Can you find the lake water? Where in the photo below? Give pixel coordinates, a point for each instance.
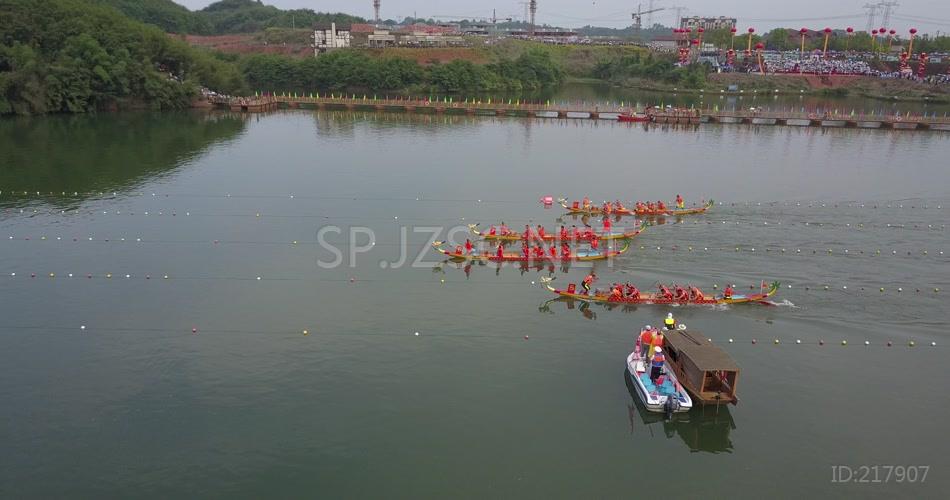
(205, 383)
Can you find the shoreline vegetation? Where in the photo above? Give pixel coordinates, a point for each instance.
(76, 56)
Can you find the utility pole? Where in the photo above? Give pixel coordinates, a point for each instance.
(888, 7)
(872, 12)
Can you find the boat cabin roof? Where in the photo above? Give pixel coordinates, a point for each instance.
(703, 353)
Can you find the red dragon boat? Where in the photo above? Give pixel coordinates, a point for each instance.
(614, 235)
(575, 208)
(575, 256)
(658, 299)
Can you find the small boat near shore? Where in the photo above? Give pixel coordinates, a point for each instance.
(655, 298)
(633, 117)
(574, 256)
(511, 236)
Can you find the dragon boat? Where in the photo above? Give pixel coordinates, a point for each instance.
(656, 298)
(510, 237)
(575, 256)
(593, 210)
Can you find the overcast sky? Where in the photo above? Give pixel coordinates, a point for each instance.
(926, 15)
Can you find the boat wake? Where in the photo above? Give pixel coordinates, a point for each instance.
(784, 303)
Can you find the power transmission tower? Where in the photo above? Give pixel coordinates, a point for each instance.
(376, 8)
(872, 12)
(888, 10)
(534, 10)
(679, 14)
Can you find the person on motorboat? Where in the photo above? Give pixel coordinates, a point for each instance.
(656, 342)
(588, 281)
(727, 293)
(656, 364)
(669, 322)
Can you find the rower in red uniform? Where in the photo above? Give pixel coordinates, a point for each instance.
(540, 232)
(696, 294)
(539, 252)
(615, 294)
(679, 202)
(727, 293)
(651, 208)
(504, 230)
(606, 225)
(680, 293)
(575, 232)
(563, 234)
(620, 207)
(666, 293)
(593, 242)
(588, 281)
(491, 230)
(632, 292)
(501, 250)
(606, 209)
(565, 251)
(553, 251)
(640, 206)
(661, 206)
(468, 246)
(527, 232)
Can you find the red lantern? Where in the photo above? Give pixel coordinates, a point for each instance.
(882, 30)
(803, 31)
(759, 46)
(913, 31)
(751, 30)
(701, 30)
(892, 32)
(732, 29)
(850, 30)
(827, 30)
(874, 32)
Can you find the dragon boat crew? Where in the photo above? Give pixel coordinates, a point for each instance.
(607, 225)
(696, 294)
(563, 234)
(468, 246)
(660, 206)
(680, 293)
(586, 202)
(632, 291)
(679, 202)
(727, 293)
(541, 232)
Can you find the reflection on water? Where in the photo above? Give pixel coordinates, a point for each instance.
(702, 429)
(91, 153)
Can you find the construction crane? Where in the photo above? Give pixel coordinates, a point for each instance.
(638, 16)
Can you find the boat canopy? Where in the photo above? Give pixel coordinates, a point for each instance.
(703, 354)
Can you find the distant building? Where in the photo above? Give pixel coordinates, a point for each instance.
(708, 23)
(663, 43)
(381, 38)
(330, 37)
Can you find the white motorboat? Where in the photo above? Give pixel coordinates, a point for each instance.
(664, 396)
